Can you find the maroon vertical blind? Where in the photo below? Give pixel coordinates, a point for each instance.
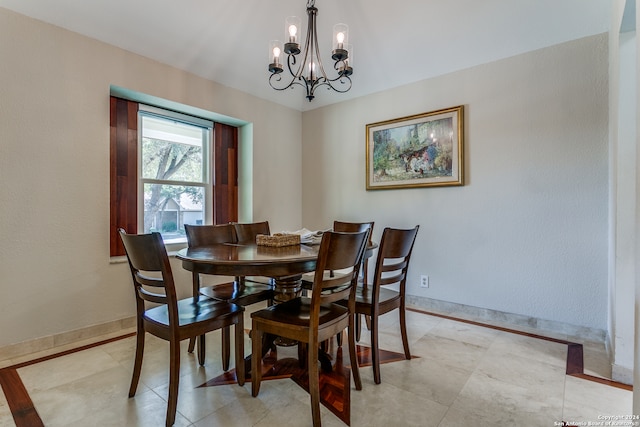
(124, 171)
(225, 186)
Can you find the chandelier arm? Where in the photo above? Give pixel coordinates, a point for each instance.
(329, 83)
(291, 61)
(289, 85)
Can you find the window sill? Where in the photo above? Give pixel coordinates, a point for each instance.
(172, 249)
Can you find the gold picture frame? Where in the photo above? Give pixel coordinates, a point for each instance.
(423, 150)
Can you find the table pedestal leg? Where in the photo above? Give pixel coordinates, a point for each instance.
(287, 288)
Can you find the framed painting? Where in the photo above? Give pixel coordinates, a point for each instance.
(424, 150)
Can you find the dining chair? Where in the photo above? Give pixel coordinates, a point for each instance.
(247, 232)
(237, 291)
(347, 227)
(313, 320)
(172, 320)
(376, 298)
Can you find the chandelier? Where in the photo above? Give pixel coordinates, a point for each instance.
(309, 72)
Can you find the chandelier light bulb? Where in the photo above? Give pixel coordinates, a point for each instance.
(275, 50)
(293, 30)
(340, 38)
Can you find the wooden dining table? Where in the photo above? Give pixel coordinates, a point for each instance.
(285, 264)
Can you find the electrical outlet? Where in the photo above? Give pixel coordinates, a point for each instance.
(424, 281)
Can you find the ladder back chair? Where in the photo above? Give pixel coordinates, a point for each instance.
(313, 320)
(376, 299)
(238, 291)
(173, 320)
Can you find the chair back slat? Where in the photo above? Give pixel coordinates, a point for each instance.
(206, 235)
(247, 232)
(393, 266)
(389, 280)
(149, 281)
(354, 227)
(150, 296)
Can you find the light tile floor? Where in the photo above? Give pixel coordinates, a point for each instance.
(464, 375)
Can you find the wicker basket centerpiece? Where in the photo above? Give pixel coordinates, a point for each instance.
(278, 240)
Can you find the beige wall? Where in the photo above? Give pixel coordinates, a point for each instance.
(55, 274)
(527, 234)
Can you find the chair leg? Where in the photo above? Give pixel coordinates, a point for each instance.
(137, 364)
(303, 348)
(375, 353)
(314, 383)
(256, 360)
(201, 350)
(196, 295)
(358, 334)
(403, 332)
(226, 347)
(353, 355)
(174, 378)
(239, 329)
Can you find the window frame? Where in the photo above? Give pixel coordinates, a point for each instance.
(207, 159)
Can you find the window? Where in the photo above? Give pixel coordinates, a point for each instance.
(174, 172)
(169, 169)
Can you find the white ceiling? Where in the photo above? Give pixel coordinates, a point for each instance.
(394, 43)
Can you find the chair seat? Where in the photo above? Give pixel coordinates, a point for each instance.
(246, 294)
(365, 296)
(298, 312)
(190, 311)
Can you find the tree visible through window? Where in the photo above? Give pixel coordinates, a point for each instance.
(174, 174)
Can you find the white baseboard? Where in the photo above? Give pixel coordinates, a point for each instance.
(621, 374)
(509, 320)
